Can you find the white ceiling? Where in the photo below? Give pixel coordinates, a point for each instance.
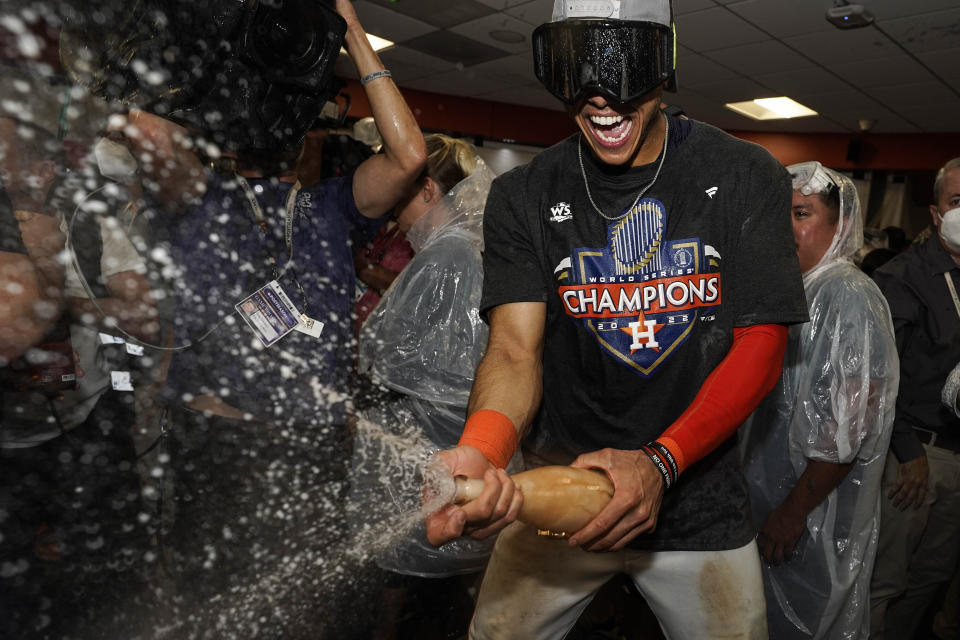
(903, 72)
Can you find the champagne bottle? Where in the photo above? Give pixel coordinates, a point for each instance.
(556, 500)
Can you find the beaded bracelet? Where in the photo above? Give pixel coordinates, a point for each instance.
(370, 77)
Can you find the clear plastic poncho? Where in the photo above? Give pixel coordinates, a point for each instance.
(834, 403)
(425, 337)
(950, 390)
(424, 340)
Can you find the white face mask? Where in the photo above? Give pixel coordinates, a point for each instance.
(950, 229)
(115, 161)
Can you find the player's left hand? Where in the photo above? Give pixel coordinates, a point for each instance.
(779, 535)
(637, 496)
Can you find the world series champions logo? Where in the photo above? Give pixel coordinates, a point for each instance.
(640, 295)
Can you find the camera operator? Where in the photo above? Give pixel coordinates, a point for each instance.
(257, 412)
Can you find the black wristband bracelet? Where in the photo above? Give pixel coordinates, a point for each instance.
(664, 461)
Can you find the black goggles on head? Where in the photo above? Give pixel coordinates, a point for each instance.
(619, 59)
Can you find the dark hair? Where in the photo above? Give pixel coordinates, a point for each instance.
(449, 160)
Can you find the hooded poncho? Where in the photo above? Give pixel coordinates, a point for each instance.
(834, 403)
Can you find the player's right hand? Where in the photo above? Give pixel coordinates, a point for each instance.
(495, 508)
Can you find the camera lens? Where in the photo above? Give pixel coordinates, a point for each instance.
(283, 40)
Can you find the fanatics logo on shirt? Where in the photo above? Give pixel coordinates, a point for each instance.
(560, 212)
(641, 295)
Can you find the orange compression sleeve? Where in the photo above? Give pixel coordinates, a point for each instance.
(729, 394)
(493, 434)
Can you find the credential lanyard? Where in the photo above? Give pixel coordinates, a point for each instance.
(291, 206)
(953, 291)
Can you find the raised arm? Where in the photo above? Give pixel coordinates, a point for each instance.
(506, 395)
(382, 179)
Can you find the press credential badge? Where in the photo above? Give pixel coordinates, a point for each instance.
(269, 313)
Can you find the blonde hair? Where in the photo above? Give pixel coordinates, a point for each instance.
(449, 160)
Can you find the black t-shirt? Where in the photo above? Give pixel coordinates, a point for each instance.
(641, 309)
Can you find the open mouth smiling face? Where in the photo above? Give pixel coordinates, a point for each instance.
(618, 133)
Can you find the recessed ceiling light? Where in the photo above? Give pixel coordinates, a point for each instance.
(508, 36)
(379, 43)
(771, 108)
(376, 42)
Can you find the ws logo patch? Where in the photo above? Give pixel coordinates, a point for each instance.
(640, 295)
(560, 212)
